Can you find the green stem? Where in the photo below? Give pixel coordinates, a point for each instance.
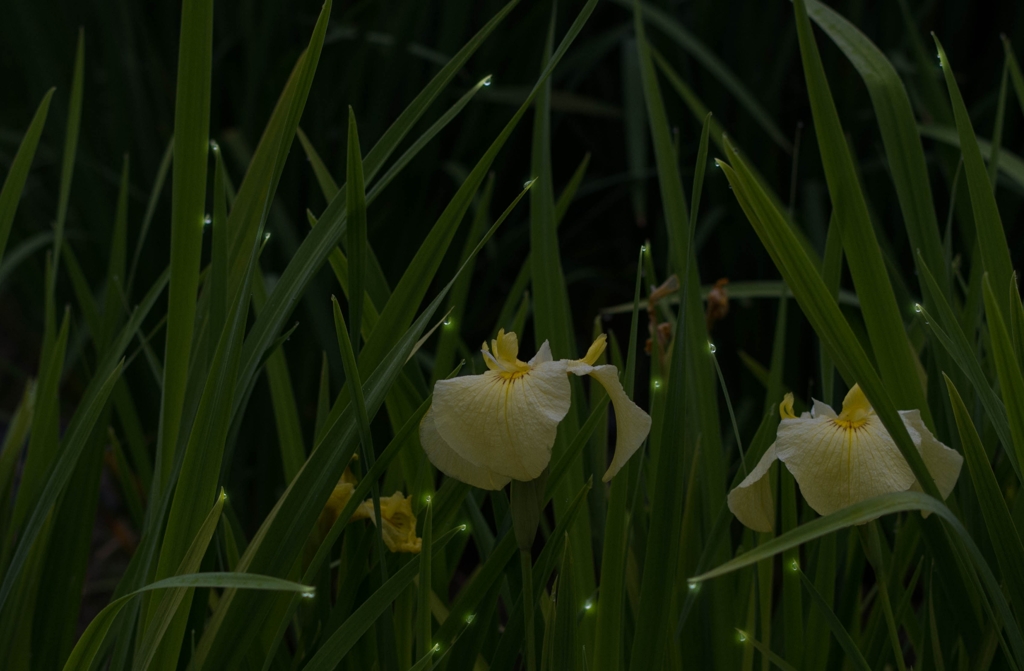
(526, 564)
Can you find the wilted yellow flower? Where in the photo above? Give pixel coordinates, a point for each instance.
(397, 518)
(488, 429)
(839, 460)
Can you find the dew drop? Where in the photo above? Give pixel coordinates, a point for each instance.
(266, 237)
(917, 308)
(207, 220)
(794, 566)
(712, 348)
(469, 618)
(487, 80)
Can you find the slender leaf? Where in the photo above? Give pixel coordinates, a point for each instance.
(14, 182)
(995, 253)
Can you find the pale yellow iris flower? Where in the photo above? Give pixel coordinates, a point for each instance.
(489, 429)
(839, 460)
(397, 518)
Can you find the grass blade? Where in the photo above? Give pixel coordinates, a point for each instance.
(188, 202)
(897, 124)
(1011, 383)
(14, 183)
(67, 167)
(317, 246)
(720, 71)
(355, 202)
(1001, 529)
(334, 649)
(821, 310)
(995, 253)
(882, 316)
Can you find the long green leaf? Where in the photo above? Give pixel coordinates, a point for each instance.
(882, 315)
(168, 606)
(995, 253)
(821, 310)
(317, 246)
(334, 649)
(897, 124)
(1001, 529)
(663, 21)
(14, 183)
(1010, 164)
(188, 202)
(608, 637)
(1011, 383)
(355, 202)
(945, 327)
(67, 166)
(302, 502)
(202, 460)
(866, 511)
(89, 646)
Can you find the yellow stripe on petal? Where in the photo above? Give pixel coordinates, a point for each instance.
(751, 500)
(447, 460)
(504, 423)
(839, 462)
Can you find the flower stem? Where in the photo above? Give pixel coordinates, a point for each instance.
(530, 653)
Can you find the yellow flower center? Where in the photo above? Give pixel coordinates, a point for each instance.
(856, 410)
(502, 356)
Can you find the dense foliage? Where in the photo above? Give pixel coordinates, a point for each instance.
(207, 461)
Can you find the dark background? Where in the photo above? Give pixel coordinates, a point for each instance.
(377, 56)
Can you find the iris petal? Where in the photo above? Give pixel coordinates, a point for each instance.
(450, 463)
(631, 423)
(751, 500)
(504, 423)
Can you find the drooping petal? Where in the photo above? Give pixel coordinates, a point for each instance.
(398, 523)
(450, 463)
(505, 423)
(942, 462)
(751, 500)
(837, 463)
(631, 423)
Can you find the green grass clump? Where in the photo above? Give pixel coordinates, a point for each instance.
(241, 242)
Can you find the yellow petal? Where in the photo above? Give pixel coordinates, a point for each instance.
(504, 422)
(838, 462)
(751, 501)
(856, 407)
(786, 407)
(631, 423)
(595, 351)
(397, 520)
(450, 463)
(942, 462)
